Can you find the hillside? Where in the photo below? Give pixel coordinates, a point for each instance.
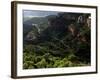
(57, 41)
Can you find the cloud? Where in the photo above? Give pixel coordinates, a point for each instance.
(34, 13)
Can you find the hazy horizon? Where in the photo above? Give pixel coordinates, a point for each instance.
(35, 13)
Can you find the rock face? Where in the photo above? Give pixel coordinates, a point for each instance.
(31, 36)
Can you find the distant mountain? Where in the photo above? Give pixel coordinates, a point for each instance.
(36, 20)
(51, 16)
(26, 19)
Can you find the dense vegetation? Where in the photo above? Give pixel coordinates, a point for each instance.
(63, 41)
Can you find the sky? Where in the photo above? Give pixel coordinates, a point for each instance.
(34, 13)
